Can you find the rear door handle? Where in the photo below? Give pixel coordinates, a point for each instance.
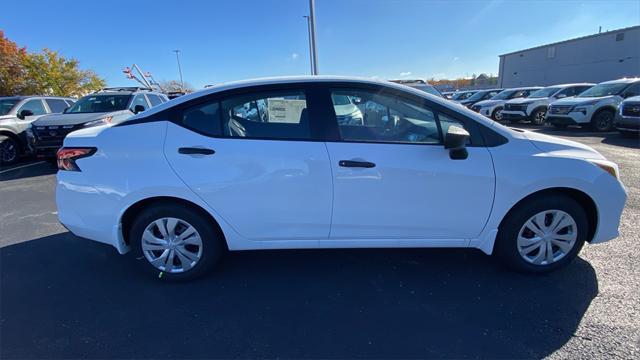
(195, 151)
(358, 164)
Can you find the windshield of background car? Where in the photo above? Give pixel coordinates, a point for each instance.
(340, 99)
(477, 96)
(100, 103)
(503, 95)
(544, 93)
(604, 90)
(6, 105)
(461, 96)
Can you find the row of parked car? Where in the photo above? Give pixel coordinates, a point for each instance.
(39, 124)
(601, 106)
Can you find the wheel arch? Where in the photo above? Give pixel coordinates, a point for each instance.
(134, 209)
(607, 107)
(14, 136)
(581, 197)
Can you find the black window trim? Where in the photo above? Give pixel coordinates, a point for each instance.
(323, 124)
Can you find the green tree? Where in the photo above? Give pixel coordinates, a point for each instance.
(48, 73)
(12, 71)
(44, 73)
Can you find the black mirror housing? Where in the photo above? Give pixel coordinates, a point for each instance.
(138, 109)
(24, 113)
(456, 140)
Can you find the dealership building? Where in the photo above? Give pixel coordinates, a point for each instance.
(594, 58)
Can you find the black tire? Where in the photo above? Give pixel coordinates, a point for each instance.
(538, 117)
(603, 120)
(560, 126)
(9, 150)
(496, 115)
(212, 239)
(506, 248)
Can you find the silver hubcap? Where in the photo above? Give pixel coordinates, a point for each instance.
(547, 237)
(171, 245)
(604, 122)
(498, 114)
(540, 117)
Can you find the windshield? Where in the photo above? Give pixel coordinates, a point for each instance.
(100, 103)
(6, 105)
(477, 96)
(429, 89)
(340, 99)
(461, 95)
(544, 93)
(604, 90)
(503, 95)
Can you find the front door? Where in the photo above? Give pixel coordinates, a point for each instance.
(393, 179)
(250, 157)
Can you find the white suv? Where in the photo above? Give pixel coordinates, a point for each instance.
(534, 107)
(595, 107)
(493, 107)
(181, 182)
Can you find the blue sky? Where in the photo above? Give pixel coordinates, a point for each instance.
(238, 39)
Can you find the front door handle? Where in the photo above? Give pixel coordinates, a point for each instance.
(358, 164)
(195, 151)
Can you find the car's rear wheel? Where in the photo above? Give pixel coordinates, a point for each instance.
(9, 150)
(497, 114)
(542, 234)
(538, 117)
(175, 242)
(603, 120)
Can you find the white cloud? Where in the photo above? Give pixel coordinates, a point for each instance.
(295, 56)
(405, 73)
(456, 58)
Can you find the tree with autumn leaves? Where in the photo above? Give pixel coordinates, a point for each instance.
(43, 73)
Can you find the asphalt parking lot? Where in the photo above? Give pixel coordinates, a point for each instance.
(65, 297)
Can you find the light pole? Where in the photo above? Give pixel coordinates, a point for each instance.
(177, 51)
(310, 45)
(312, 37)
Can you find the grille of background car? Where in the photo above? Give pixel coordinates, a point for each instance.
(632, 109)
(560, 109)
(54, 135)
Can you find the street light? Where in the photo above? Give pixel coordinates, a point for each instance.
(177, 51)
(312, 37)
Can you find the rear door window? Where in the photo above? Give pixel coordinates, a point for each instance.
(154, 99)
(267, 115)
(56, 105)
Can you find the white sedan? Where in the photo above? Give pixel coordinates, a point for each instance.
(179, 184)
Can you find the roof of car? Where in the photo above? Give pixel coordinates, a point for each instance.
(22, 97)
(525, 88)
(569, 85)
(623, 81)
(282, 80)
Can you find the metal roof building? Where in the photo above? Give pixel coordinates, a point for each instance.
(594, 58)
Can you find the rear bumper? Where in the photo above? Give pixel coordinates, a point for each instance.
(627, 123)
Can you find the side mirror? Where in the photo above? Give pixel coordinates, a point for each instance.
(561, 96)
(455, 140)
(65, 110)
(138, 109)
(24, 113)
(356, 100)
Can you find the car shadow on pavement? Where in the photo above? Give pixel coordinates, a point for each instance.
(65, 297)
(27, 170)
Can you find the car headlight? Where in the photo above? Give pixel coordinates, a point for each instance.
(609, 167)
(103, 121)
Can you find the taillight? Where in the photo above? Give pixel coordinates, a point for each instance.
(67, 157)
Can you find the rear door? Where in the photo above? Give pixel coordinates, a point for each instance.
(393, 179)
(253, 157)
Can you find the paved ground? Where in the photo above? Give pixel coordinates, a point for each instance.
(61, 296)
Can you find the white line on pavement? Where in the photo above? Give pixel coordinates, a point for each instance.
(22, 166)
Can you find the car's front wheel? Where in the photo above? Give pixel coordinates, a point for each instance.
(542, 234)
(175, 242)
(538, 117)
(9, 150)
(603, 120)
(497, 114)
